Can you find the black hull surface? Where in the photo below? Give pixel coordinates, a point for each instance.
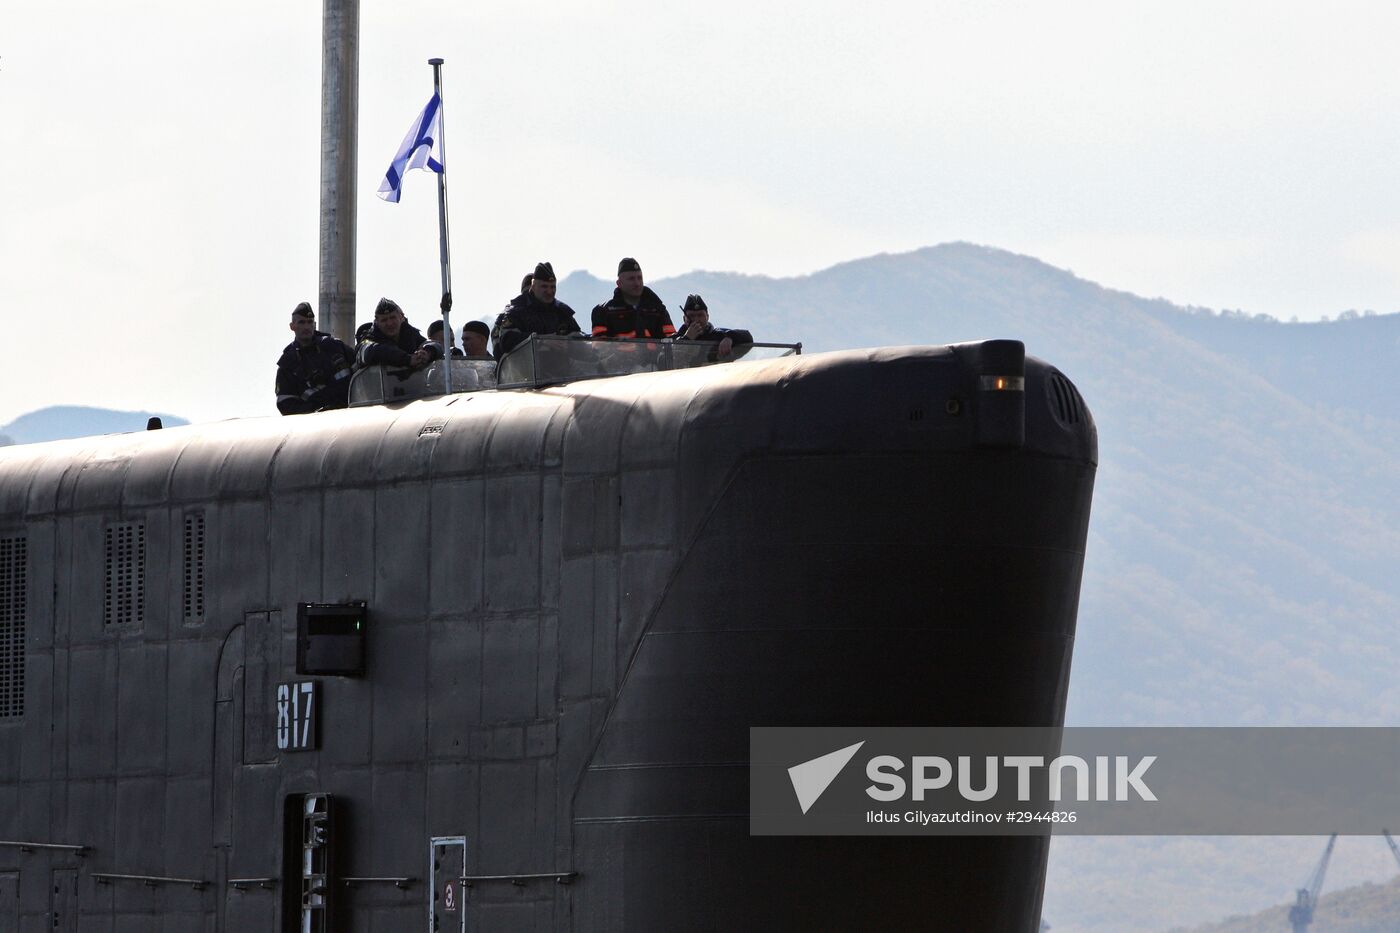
(564, 652)
(906, 590)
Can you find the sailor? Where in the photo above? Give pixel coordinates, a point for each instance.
(435, 338)
(698, 327)
(533, 312)
(392, 341)
(475, 335)
(313, 373)
(634, 310)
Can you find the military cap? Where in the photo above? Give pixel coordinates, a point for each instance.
(386, 306)
(544, 272)
(303, 309)
(628, 265)
(695, 303)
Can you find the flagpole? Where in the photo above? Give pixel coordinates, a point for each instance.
(443, 255)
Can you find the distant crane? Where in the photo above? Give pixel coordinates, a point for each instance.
(1300, 915)
(1394, 849)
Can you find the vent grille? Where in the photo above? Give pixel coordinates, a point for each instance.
(1064, 399)
(125, 601)
(13, 596)
(194, 568)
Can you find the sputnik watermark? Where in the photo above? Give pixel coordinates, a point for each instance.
(811, 778)
(927, 817)
(1152, 781)
(1127, 781)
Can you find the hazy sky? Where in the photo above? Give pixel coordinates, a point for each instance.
(160, 160)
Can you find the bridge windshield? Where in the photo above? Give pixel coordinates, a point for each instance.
(379, 385)
(549, 360)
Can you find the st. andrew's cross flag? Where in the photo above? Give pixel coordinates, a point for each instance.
(421, 148)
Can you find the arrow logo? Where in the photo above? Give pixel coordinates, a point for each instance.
(811, 778)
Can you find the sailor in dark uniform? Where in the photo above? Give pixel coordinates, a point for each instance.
(634, 310)
(533, 312)
(698, 327)
(435, 335)
(313, 373)
(475, 335)
(392, 341)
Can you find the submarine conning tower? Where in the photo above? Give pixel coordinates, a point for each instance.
(537, 625)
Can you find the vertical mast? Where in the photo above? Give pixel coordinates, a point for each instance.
(443, 256)
(340, 103)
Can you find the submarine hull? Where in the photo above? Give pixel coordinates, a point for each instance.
(570, 605)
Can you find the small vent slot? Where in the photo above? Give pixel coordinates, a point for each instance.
(13, 612)
(1064, 400)
(194, 568)
(125, 601)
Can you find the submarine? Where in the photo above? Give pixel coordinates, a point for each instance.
(488, 660)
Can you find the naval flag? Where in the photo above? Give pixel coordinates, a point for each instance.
(421, 148)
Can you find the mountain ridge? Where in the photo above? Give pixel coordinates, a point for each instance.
(57, 422)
